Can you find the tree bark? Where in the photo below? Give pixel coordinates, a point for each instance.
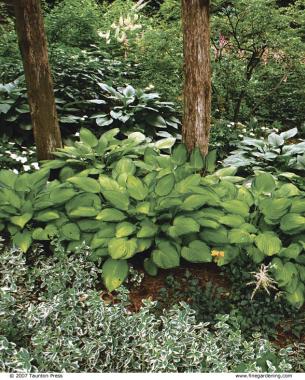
(34, 52)
(197, 72)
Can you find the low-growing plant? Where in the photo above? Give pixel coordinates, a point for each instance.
(161, 206)
(136, 110)
(99, 108)
(53, 319)
(276, 153)
(16, 156)
(264, 314)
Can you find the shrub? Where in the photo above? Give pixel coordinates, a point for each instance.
(73, 23)
(55, 321)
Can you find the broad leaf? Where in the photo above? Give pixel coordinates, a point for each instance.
(114, 273)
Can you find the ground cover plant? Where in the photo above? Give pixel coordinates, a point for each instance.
(66, 326)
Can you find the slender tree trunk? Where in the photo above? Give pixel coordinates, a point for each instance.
(34, 51)
(197, 71)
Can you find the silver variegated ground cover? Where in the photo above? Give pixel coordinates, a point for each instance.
(52, 319)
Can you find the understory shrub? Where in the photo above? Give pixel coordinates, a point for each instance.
(53, 319)
(160, 206)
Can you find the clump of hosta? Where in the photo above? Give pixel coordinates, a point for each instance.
(134, 199)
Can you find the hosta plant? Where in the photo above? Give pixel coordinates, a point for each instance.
(160, 207)
(132, 109)
(276, 153)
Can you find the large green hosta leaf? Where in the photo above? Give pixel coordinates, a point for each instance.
(183, 225)
(120, 248)
(284, 273)
(287, 190)
(165, 185)
(292, 222)
(274, 208)
(124, 229)
(218, 236)
(292, 251)
(232, 220)
(268, 243)
(298, 206)
(23, 240)
(47, 216)
(236, 207)
(148, 229)
(136, 189)
(61, 195)
(8, 178)
(150, 267)
(88, 138)
(21, 220)
(118, 199)
(166, 256)
(70, 231)
(114, 273)
(238, 236)
(111, 215)
(197, 252)
(297, 298)
(87, 184)
(45, 234)
(264, 183)
(180, 154)
(187, 183)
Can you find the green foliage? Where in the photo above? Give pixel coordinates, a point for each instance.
(135, 110)
(16, 156)
(73, 23)
(264, 314)
(44, 333)
(159, 205)
(277, 152)
(255, 63)
(98, 107)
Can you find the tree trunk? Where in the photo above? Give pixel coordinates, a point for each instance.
(197, 71)
(34, 52)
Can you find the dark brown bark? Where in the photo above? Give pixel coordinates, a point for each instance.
(197, 71)
(34, 51)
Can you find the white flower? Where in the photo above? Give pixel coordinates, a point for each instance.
(26, 168)
(15, 171)
(22, 159)
(35, 165)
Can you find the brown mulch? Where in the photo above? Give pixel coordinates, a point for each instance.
(151, 286)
